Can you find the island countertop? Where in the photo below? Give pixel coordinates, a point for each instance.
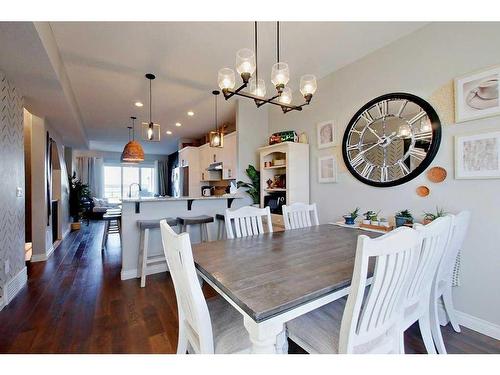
(174, 199)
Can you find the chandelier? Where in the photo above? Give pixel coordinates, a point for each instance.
(247, 68)
(150, 130)
(132, 152)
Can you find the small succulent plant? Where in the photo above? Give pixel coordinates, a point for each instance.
(430, 216)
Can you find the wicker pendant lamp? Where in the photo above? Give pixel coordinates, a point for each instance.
(132, 152)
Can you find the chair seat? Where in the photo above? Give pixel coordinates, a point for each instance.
(230, 335)
(318, 331)
(191, 220)
(155, 224)
(220, 217)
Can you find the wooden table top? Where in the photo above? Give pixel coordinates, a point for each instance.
(274, 272)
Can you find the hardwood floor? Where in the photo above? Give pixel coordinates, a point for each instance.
(76, 303)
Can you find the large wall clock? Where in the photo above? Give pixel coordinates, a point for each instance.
(391, 139)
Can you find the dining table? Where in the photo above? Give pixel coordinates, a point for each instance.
(275, 277)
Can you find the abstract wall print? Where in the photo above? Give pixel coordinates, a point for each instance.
(477, 95)
(477, 156)
(326, 134)
(327, 169)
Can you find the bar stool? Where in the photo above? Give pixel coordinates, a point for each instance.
(201, 220)
(145, 226)
(221, 226)
(112, 224)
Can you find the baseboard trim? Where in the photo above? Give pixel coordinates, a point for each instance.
(478, 325)
(15, 285)
(42, 257)
(135, 273)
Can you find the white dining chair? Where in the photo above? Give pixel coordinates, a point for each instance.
(434, 237)
(370, 321)
(205, 327)
(247, 221)
(300, 215)
(441, 289)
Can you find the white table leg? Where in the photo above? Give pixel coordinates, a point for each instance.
(264, 335)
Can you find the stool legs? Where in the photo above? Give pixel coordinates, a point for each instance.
(105, 235)
(221, 230)
(145, 246)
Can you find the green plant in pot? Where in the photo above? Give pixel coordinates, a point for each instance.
(350, 217)
(78, 192)
(431, 216)
(403, 217)
(253, 186)
(370, 216)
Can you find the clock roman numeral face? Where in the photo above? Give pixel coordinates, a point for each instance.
(391, 139)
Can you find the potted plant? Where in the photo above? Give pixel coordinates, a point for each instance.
(253, 187)
(78, 191)
(369, 215)
(350, 217)
(403, 217)
(374, 219)
(430, 216)
(383, 222)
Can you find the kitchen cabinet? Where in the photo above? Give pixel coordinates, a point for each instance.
(225, 155)
(189, 157)
(228, 157)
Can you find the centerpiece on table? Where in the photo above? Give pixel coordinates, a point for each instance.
(350, 217)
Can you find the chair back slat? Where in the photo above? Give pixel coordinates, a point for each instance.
(371, 322)
(246, 221)
(194, 317)
(300, 215)
(457, 237)
(435, 237)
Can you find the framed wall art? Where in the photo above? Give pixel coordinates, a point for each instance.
(476, 95)
(326, 134)
(327, 169)
(477, 156)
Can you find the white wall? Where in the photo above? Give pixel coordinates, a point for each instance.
(423, 63)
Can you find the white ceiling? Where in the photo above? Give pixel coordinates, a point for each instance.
(106, 62)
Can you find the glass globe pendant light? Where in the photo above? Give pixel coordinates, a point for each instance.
(132, 152)
(216, 137)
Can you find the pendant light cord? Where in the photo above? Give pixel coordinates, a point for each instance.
(278, 41)
(216, 127)
(150, 101)
(256, 59)
(133, 129)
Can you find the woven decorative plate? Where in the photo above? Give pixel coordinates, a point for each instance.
(423, 191)
(436, 174)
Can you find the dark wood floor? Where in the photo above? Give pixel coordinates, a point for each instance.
(76, 303)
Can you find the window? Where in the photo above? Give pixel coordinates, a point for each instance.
(118, 180)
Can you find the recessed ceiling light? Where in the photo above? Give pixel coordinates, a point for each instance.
(169, 132)
(190, 113)
(178, 124)
(138, 104)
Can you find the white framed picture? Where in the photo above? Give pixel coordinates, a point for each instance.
(477, 156)
(477, 95)
(326, 134)
(327, 169)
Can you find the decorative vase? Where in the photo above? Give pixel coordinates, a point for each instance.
(366, 221)
(402, 220)
(374, 222)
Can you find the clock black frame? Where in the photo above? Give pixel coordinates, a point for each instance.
(431, 153)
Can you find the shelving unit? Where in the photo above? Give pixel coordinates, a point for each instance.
(295, 173)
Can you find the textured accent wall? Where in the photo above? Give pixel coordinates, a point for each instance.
(11, 177)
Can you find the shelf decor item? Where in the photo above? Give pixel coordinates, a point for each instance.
(403, 217)
(436, 174)
(350, 217)
(326, 134)
(284, 136)
(477, 156)
(247, 68)
(477, 95)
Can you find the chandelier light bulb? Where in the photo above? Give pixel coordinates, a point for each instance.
(308, 84)
(286, 96)
(245, 63)
(280, 75)
(226, 79)
(150, 131)
(258, 88)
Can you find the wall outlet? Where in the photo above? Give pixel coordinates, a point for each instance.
(7, 266)
(19, 192)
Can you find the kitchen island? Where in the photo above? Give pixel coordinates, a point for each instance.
(158, 208)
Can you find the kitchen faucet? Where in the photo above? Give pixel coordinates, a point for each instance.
(130, 189)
